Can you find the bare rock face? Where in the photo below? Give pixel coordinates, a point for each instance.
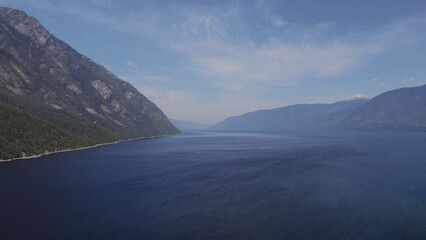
(130, 95)
(55, 106)
(25, 24)
(45, 77)
(74, 88)
(102, 88)
(105, 108)
(116, 105)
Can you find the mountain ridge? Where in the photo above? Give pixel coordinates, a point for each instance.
(285, 118)
(43, 76)
(399, 109)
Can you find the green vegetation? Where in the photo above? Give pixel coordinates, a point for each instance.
(22, 134)
(53, 98)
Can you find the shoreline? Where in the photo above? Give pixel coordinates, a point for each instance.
(82, 148)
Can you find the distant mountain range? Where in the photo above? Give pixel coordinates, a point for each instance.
(45, 84)
(401, 109)
(188, 125)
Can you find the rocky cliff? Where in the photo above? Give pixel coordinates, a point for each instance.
(42, 76)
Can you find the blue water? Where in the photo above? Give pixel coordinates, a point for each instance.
(201, 185)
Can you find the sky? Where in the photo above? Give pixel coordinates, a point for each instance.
(204, 61)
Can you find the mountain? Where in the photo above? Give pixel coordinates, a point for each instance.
(400, 109)
(293, 117)
(24, 134)
(188, 125)
(45, 83)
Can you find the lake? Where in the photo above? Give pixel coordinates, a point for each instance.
(207, 185)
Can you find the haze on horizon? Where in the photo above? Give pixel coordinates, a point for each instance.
(206, 61)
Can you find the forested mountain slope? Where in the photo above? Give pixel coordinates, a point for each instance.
(43, 77)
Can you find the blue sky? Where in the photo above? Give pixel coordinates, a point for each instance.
(204, 61)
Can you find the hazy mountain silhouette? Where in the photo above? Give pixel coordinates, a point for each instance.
(401, 109)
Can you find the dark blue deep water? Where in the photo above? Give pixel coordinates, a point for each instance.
(201, 185)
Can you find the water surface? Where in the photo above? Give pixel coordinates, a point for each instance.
(201, 185)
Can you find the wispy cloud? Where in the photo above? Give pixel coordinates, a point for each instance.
(382, 84)
(137, 76)
(132, 65)
(273, 63)
(217, 54)
(357, 96)
(407, 80)
(278, 22)
(375, 79)
(228, 54)
(140, 78)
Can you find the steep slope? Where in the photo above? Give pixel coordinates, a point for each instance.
(400, 109)
(293, 117)
(44, 77)
(23, 134)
